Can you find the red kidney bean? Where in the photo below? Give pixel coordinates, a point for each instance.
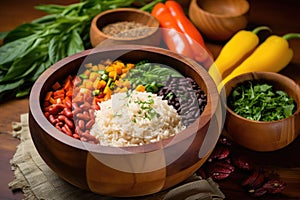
(89, 124)
(69, 123)
(66, 130)
(76, 136)
(81, 124)
(56, 108)
(52, 119)
(83, 116)
(88, 136)
(85, 106)
(61, 118)
(76, 108)
(67, 112)
(47, 114)
(60, 124)
(78, 131)
(58, 127)
(91, 113)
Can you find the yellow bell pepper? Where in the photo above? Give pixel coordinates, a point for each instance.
(234, 52)
(272, 55)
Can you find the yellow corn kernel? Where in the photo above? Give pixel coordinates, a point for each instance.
(140, 88)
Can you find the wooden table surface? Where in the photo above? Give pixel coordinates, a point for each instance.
(282, 16)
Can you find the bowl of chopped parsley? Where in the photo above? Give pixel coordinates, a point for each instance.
(263, 110)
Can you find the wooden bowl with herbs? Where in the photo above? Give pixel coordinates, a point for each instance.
(124, 26)
(125, 120)
(263, 110)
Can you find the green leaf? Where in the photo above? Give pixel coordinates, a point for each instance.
(22, 31)
(288, 110)
(56, 50)
(45, 19)
(75, 44)
(16, 49)
(10, 86)
(21, 67)
(39, 70)
(23, 93)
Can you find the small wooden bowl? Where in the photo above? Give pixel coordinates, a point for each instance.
(219, 19)
(134, 170)
(259, 135)
(124, 14)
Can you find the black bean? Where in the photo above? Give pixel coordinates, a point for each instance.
(185, 96)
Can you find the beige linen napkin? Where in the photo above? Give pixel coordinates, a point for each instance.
(38, 181)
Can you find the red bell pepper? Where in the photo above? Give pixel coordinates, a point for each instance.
(188, 40)
(172, 34)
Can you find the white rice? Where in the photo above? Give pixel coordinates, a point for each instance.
(135, 118)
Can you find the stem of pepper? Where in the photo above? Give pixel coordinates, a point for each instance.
(291, 36)
(260, 28)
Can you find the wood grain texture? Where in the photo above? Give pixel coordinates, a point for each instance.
(219, 19)
(126, 171)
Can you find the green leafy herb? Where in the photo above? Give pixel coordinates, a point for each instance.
(151, 75)
(260, 102)
(31, 48)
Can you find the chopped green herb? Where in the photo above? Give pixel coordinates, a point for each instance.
(260, 102)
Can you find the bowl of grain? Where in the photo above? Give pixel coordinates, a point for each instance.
(263, 110)
(125, 120)
(125, 26)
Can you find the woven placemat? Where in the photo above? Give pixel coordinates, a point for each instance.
(38, 181)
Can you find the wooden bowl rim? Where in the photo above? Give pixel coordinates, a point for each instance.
(228, 15)
(95, 28)
(203, 119)
(273, 76)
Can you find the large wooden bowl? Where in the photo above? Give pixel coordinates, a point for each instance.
(97, 36)
(259, 135)
(127, 171)
(219, 19)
